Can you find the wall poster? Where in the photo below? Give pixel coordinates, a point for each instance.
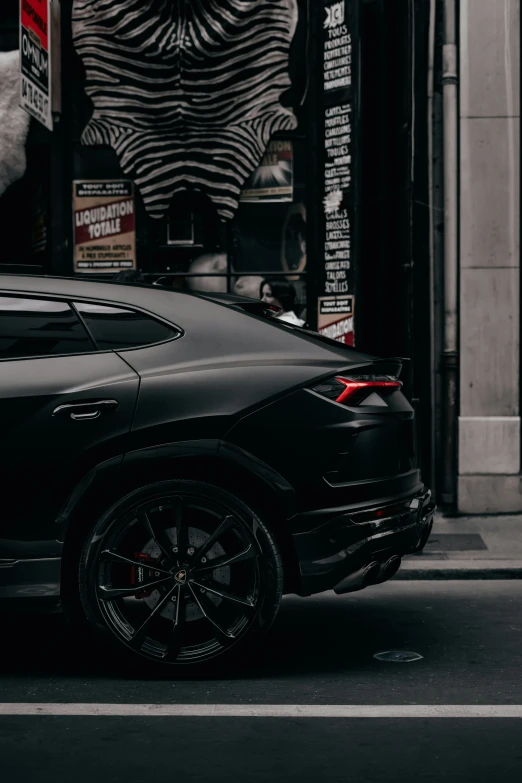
(337, 289)
(273, 179)
(35, 60)
(335, 318)
(104, 225)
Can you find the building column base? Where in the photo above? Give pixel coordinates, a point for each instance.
(490, 494)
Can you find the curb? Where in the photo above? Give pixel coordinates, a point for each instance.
(460, 569)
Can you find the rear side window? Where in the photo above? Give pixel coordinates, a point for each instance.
(38, 327)
(115, 328)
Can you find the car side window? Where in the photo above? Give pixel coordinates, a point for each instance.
(116, 328)
(38, 327)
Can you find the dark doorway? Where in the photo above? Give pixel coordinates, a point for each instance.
(393, 296)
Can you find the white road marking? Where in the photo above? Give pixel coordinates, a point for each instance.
(458, 565)
(268, 710)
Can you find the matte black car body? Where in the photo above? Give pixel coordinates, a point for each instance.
(228, 399)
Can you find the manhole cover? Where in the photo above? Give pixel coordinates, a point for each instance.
(398, 656)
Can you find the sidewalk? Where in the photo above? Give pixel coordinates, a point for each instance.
(469, 548)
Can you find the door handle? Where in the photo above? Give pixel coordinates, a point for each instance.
(85, 416)
(85, 411)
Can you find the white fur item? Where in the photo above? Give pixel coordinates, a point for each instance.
(14, 122)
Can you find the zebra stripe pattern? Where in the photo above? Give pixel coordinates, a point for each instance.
(187, 92)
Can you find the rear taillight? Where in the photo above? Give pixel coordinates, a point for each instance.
(385, 512)
(351, 390)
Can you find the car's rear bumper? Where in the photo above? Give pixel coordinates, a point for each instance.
(348, 549)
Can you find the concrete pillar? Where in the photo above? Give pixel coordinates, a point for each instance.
(489, 422)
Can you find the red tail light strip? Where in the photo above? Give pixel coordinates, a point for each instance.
(374, 515)
(352, 386)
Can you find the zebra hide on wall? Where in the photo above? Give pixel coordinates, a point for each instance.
(187, 92)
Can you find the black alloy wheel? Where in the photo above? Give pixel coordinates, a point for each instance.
(181, 572)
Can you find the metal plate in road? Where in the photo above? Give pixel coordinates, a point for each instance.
(398, 656)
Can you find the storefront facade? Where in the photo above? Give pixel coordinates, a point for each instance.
(222, 144)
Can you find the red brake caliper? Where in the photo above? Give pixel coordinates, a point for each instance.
(141, 573)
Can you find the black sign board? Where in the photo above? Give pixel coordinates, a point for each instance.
(35, 62)
(339, 46)
(338, 148)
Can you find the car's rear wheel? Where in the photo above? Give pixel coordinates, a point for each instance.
(181, 572)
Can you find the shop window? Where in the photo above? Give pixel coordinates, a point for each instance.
(266, 240)
(36, 327)
(289, 295)
(269, 232)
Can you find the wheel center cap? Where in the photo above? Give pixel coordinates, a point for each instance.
(181, 576)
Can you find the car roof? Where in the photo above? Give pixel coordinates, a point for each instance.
(101, 289)
(169, 304)
(208, 315)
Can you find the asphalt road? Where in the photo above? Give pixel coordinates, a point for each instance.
(319, 653)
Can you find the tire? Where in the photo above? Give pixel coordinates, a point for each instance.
(181, 573)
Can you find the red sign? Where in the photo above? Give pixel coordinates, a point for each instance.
(35, 16)
(341, 330)
(107, 220)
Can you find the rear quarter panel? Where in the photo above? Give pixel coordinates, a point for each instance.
(226, 364)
